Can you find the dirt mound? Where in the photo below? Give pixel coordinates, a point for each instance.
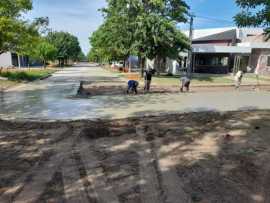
(88, 89)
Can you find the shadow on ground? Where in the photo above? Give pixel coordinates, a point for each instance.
(195, 157)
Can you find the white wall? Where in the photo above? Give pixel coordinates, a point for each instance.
(5, 60)
(172, 66)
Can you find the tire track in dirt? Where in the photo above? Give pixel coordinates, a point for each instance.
(54, 191)
(149, 183)
(266, 188)
(119, 161)
(32, 191)
(20, 183)
(171, 182)
(266, 180)
(73, 186)
(95, 181)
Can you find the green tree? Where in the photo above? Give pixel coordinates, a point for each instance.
(45, 52)
(81, 57)
(254, 13)
(159, 41)
(67, 46)
(146, 28)
(17, 34)
(120, 22)
(104, 44)
(93, 56)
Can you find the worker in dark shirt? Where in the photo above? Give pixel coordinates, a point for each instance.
(132, 87)
(147, 79)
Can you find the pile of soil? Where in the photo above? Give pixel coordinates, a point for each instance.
(120, 87)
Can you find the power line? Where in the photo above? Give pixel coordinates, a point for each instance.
(213, 19)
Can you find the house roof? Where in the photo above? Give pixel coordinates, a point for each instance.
(220, 49)
(198, 33)
(241, 33)
(226, 35)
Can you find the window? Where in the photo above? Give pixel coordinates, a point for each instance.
(214, 61)
(225, 61)
(220, 61)
(205, 60)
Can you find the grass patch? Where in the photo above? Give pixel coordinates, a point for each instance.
(262, 78)
(26, 75)
(212, 79)
(201, 79)
(197, 79)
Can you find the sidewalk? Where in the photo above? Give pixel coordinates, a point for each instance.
(171, 84)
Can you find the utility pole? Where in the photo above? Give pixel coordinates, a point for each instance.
(190, 57)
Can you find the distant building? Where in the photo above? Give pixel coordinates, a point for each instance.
(221, 50)
(10, 59)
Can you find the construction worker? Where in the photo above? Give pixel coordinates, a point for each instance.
(132, 87)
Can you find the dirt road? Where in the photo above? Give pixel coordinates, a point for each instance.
(200, 157)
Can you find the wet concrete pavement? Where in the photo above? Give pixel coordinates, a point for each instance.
(52, 99)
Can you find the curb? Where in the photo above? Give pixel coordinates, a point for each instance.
(45, 77)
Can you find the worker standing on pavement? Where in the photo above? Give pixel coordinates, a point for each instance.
(148, 74)
(238, 79)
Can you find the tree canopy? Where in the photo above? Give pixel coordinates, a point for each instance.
(146, 28)
(254, 13)
(17, 34)
(45, 51)
(81, 57)
(33, 38)
(67, 45)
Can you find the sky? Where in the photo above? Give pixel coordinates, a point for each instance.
(81, 17)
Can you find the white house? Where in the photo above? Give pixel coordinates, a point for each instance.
(9, 59)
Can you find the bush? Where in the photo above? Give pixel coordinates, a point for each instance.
(169, 74)
(27, 75)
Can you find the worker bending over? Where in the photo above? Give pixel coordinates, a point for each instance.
(185, 83)
(132, 87)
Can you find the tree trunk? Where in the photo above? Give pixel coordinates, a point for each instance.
(141, 67)
(28, 63)
(62, 62)
(124, 64)
(44, 64)
(129, 65)
(158, 65)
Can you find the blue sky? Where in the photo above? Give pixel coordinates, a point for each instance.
(81, 17)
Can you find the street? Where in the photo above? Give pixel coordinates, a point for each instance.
(166, 158)
(54, 99)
